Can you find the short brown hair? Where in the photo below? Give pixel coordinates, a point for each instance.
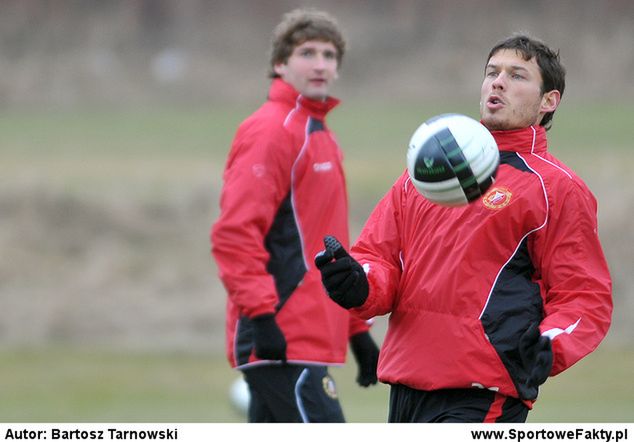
(300, 26)
(553, 72)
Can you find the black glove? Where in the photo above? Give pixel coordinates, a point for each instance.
(268, 339)
(366, 353)
(537, 356)
(343, 278)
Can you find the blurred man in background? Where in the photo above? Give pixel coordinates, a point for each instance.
(284, 189)
(489, 299)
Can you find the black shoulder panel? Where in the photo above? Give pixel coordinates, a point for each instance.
(315, 125)
(513, 160)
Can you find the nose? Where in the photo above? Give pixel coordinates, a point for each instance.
(499, 82)
(320, 62)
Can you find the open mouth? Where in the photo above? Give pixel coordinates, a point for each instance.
(495, 103)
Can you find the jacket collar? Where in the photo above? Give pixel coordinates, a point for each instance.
(284, 92)
(530, 139)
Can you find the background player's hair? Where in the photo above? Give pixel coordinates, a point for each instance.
(299, 26)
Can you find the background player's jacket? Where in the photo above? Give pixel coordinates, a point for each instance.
(462, 284)
(284, 190)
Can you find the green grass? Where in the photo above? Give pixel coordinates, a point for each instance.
(78, 385)
(165, 132)
(71, 385)
(374, 139)
(599, 388)
(371, 130)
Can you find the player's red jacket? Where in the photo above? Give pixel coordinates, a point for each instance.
(284, 190)
(462, 284)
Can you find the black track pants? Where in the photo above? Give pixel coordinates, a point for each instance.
(459, 405)
(292, 393)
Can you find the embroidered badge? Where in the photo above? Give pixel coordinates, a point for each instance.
(497, 198)
(329, 387)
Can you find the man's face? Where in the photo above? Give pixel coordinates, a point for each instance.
(311, 68)
(511, 96)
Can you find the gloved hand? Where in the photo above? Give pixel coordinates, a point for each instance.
(537, 355)
(268, 339)
(366, 353)
(343, 278)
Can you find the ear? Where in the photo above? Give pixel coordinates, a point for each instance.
(550, 101)
(280, 69)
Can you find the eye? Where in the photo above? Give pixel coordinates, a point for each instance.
(330, 55)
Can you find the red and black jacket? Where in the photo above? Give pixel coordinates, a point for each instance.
(284, 190)
(462, 284)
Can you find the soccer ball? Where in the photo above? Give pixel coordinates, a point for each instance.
(239, 395)
(452, 159)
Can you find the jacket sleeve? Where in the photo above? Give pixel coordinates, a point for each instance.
(378, 250)
(256, 180)
(575, 278)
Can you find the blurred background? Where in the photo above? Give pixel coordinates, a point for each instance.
(115, 120)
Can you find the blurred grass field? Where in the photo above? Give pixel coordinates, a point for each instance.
(71, 385)
(112, 160)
